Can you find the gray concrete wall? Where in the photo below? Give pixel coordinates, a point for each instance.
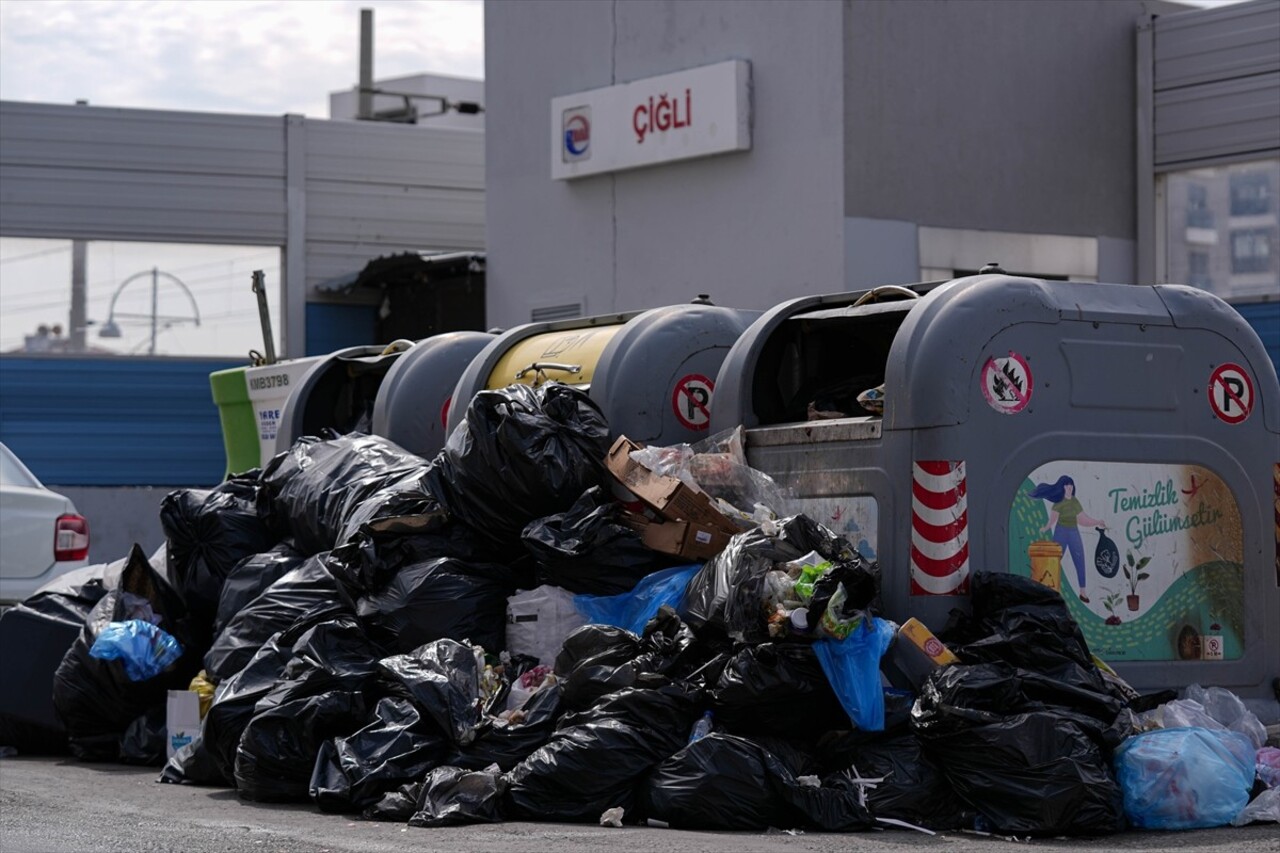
(1002, 115)
(118, 518)
(750, 228)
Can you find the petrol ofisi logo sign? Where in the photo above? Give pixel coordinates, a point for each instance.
(576, 134)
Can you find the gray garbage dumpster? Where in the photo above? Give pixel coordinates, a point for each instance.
(1119, 443)
(651, 372)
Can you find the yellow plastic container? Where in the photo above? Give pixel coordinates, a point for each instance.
(1046, 563)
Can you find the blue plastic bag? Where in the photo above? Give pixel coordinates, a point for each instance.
(145, 649)
(852, 665)
(633, 610)
(1186, 778)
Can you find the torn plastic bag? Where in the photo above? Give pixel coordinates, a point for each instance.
(355, 772)
(373, 556)
(401, 503)
(442, 678)
(144, 649)
(236, 697)
(453, 796)
(1229, 711)
(313, 488)
(597, 757)
(776, 689)
(632, 610)
(1264, 808)
(510, 739)
(440, 599)
(279, 606)
(251, 577)
(539, 620)
(95, 699)
(320, 695)
(852, 667)
(208, 533)
(45, 626)
(588, 550)
(724, 782)
(1188, 778)
(729, 594)
(520, 454)
(913, 788)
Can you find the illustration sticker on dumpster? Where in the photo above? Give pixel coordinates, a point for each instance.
(855, 517)
(1230, 393)
(691, 401)
(939, 528)
(1149, 557)
(1006, 383)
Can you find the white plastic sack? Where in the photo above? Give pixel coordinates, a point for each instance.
(1265, 808)
(538, 620)
(1225, 707)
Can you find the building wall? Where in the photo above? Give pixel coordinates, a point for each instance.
(750, 228)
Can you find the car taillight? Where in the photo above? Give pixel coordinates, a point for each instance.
(71, 538)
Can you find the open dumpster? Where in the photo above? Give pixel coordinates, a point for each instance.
(652, 372)
(1118, 443)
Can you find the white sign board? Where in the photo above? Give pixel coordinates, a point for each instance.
(693, 113)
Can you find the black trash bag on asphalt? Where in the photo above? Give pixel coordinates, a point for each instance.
(44, 626)
(208, 534)
(442, 679)
(279, 606)
(597, 757)
(727, 594)
(507, 742)
(440, 599)
(520, 454)
(914, 789)
(320, 695)
(314, 487)
(588, 550)
(144, 742)
(397, 805)
(355, 772)
(192, 764)
(776, 689)
(236, 698)
(453, 796)
(95, 699)
(725, 782)
(251, 577)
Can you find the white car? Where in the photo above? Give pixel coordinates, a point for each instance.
(41, 534)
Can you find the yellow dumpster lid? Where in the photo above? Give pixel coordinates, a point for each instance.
(569, 356)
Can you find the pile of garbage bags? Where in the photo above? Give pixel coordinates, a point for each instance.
(486, 636)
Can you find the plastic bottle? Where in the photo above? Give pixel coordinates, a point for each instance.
(702, 728)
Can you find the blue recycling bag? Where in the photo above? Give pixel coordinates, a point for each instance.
(852, 665)
(633, 610)
(1185, 778)
(143, 648)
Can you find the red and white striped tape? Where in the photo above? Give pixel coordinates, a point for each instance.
(939, 529)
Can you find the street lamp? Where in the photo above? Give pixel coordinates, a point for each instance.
(111, 329)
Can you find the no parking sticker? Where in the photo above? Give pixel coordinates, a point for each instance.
(1230, 393)
(1006, 383)
(691, 401)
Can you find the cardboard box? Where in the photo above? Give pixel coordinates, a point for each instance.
(667, 496)
(685, 539)
(914, 654)
(182, 719)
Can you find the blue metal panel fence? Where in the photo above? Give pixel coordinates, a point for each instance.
(1265, 319)
(113, 421)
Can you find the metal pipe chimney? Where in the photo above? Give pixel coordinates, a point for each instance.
(365, 107)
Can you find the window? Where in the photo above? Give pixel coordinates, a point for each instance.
(1250, 250)
(1198, 213)
(1251, 194)
(1198, 270)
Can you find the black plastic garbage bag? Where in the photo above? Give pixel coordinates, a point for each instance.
(320, 695)
(723, 782)
(144, 742)
(44, 627)
(208, 533)
(913, 788)
(398, 805)
(597, 757)
(507, 742)
(442, 679)
(399, 503)
(251, 577)
(192, 764)
(776, 689)
(452, 796)
(355, 772)
(317, 485)
(95, 699)
(520, 454)
(279, 606)
(439, 599)
(371, 557)
(727, 594)
(587, 550)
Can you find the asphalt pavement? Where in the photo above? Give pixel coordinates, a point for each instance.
(50, 805)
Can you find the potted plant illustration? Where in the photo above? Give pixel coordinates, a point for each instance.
(1111, 601)
(1134, 574)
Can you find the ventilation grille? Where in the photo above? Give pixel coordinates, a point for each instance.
(556, 312)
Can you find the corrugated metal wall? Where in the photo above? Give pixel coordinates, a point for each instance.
(1265, 319)
(1217, 83)
(113, 421)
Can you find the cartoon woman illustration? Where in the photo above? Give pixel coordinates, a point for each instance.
(1066, 514)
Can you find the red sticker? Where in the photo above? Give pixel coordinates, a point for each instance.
(1006, 383)
(444, 413)
(1230, 393)
(691, 401)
